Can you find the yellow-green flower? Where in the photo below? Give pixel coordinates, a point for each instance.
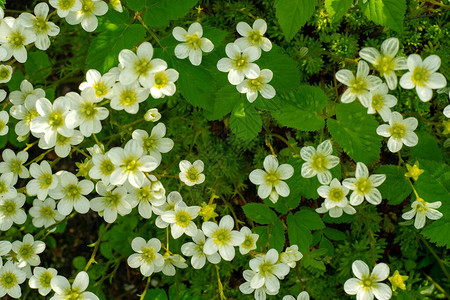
(413, 171)
(398, 281)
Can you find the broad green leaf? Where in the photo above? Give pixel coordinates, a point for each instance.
(105, 48)
(388, 13)
(260, 213)
(38, 67)
(337, 8)
(263, 237)
(334, 234)
(245, 121)
(79, 262)
(136, 5)
(155, 294)
(298, 233)
(277, 238)
(313, 260)
(224, 101)
(301, 109)
(293, 14)
(279, 206)
(396, 186)
(356, 132)
(427, 148)
(310, 219)
(327, 245)
(160, 12)
(16, 80)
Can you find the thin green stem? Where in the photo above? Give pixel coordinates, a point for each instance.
(97, 246)
(146, 288)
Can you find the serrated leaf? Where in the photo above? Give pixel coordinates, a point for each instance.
(298, 233)
(224, 101)
(260, 213)
(293, 14)
(327, 245)
(355, 131)
(334, 234)
(301, 109)
(388, 13)
(104, 50)
(337, 8)
(396, 186)
(310, 219)
(245, 121)
(277, 238)
(160, 12)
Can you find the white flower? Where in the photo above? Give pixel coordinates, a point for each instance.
(14, 163)
(364, 186)
(25, 113)
(422, 210)
(399, 132)
(4, 118)
(423, 76)
(51, 120)
(249, 242)
(381, 101)
(222, 238)
(348, 209)
(195, 249)
(27, 251)
(39, 25)
(149, 195)
(113, 202)
(253, 36)
(7, 189)
(267, 271)
(11, 212)
(335, 197)
(87, 15)
(367, 285)
(65, 6)
(44, 213)
(85, 112)
(239, 63)
(260, 84)
(63, 144)
(193, 43)
(5, 248)
(446, 111)
(291, 256)
(14, 38)
(302, 296)
(359, 86)
(103, 167)
(385, 62)
(172, 261)
(140, 66)
(152, 115)
(41, 280)
(180, 219)
(270, 181)
(191, 174)
(147, 257)
(3, 95)
(10, 278)
(318, 162)
(26, 89)
(102, 85)
(128, 97)
(172, 199)
(260, 293)
(131, 163)
(72, 194)
(164, 83)
(5, 73)
(63, 290)
(43, 181)
(156, 143)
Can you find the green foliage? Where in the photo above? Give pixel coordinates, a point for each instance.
(337, 8)
(388, 13)
(298, 233)
(260, 213)
(38, 66)
(396, 186)
(245, 122)
(160, 12)
(156, 294)
(277, 238)
(293, 14)
(355, 131)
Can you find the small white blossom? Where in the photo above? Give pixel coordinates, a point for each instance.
(180, 219)
(10, 279)
(193, 43)
(251, 87)
(381, 102)
(26, 89)
(270, 181)
(25, 113)
(113, 201)
(27, 251)
(63, 7)
(44, 213)
(87, 15)
(14, 163)
(128, 97)
(399, 131)
(195, 249)
(14, 38)
(6, 72)
(172, 261)
(239, 63)
(102, 168)
(102, 85)
(156, 143)
(151, 194)
(172, 199)
(253, 36)
(7, 189)
(422, 210)
(63, 289)
(164, 83)
(335, 196)
(249, 242)
(191, 174)
(43, 181)
(11, 212)
(147, 257)
(318, 162)
(291, 256)
(41, 280)
(366, 285)
(260, 293)
(267, 271)
(152, 115)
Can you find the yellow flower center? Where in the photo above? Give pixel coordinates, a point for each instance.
(30, 115)
(111, 199)
(128, 97)
(45, 180)
(47, 212)
(272, 177)
(100, 89)
(221, 237)
(255, 84)
(254, 37)
(358, 85)
(40, 25)
(265, 269)
(363, 185)
(2, 125)
(88, 110)
(8, 280)
(142, 66)
(106, 167)
(5, 73)
(420, 76)
(248, 242)
(72, 190)
(192, 174)
(45, 279)
(319, 162)
(8, 208)
(56, 120)
(132, 165)
(385, 64)
(26, 251)
(398, 131)
(16, 166)
(182, 219)
(87, 7)
(377, 102)
(16, 39)
(148, 254)
(62, 140)
(336, 194)
(240, 62)
(193, 41)
(66, 4)
(161, 80)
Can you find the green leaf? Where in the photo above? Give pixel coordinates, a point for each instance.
(38, 67)
(245, 121)
(293, 14)
(263, 237)
(396, 186)
(105, 48)
(427, 148)
(260, 213)
(327, 245)
(301, 109)
(334, 234)
(337, 8)
(310, 219)
(16, 80)
(2, 3)
(160, 12)
(136, 5)
(356, 132)
(388, 13)
(298, 233)
(155, 294)
(277, 238)
(225, 100)
(79, 262)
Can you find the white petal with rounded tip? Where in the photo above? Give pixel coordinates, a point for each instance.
(394, 145)
(381, 271)
(182, 51)
(425, 93)
(360, 269)
(257, 176)
(81, 281)
(413, 61)
(432, 63)
(436, 81)
(369, 54)
(382, 291)
(410, 139)
(243, 28)
(179, 34)
(285, 171)
(345, 76)
(390, 47)
(363, 69)
(406, 81)
(270, 163)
